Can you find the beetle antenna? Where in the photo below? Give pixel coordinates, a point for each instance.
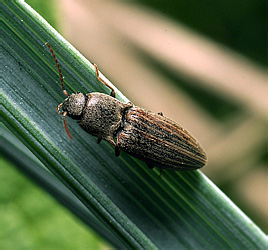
(58, 66)
(66, 125)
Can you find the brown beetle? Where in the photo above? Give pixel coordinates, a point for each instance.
(143, 134)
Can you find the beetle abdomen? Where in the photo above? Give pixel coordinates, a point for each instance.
(159, 141)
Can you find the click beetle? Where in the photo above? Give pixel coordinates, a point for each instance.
(149, 136)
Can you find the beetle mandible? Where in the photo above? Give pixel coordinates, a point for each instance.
(146, 135)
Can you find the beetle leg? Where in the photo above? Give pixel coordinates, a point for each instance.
(117, 151)
(160, 173)
(99, 140)
(102, 81)
(150, 166)
(110, 139)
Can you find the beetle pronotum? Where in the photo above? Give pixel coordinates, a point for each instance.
(141, 133)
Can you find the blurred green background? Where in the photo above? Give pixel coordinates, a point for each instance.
(240, 25)
(237, 25)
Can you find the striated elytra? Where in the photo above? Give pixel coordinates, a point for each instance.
(143, 134)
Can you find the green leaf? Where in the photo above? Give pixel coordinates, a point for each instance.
(120, 198)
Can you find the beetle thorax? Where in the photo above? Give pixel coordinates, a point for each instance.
(102, 115)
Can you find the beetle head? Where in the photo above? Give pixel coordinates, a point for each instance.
(74, 105)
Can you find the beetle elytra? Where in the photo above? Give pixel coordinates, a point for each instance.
(146, 135)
